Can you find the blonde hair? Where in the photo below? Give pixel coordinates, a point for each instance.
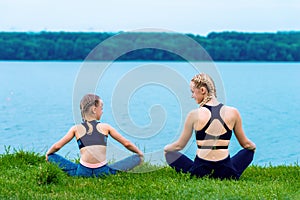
(86, 103)
(204, 80)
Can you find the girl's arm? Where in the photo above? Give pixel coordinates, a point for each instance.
(126, 143)
(58, 145)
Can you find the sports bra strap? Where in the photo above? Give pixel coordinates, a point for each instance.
(215, 114)
(212, 147)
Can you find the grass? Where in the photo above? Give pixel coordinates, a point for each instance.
(26, 175)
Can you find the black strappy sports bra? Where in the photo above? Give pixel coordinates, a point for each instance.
(93, 138)
(202, 135)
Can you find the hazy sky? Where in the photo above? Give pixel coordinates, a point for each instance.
(187, 16)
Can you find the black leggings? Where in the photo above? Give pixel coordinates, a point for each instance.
(229, 168)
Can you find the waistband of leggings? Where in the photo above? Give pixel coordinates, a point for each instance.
(95, 165)
(214, 162)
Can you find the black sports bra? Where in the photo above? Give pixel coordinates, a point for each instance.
(94, 138)
(202, 135)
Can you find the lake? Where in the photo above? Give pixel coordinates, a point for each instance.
(38, 104)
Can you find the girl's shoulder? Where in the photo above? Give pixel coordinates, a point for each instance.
(104, 128)
(104, 125)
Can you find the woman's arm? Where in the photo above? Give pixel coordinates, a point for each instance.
(240, 134)
(126, 143)
(185, 135)
(58, 145)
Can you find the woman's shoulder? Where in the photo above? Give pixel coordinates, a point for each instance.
(230, 110)
(197, 113)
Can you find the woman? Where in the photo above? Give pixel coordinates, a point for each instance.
(91, 137)
(213, 123)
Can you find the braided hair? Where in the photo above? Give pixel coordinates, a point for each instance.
(204, 80)
(86, 104)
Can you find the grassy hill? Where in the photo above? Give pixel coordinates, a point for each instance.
(26, 175)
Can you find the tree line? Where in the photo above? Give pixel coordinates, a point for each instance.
(221, 46)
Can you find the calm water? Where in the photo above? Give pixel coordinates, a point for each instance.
(36, 106)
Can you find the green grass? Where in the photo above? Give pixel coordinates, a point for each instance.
(26, 175)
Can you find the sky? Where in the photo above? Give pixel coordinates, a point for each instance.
(198, 17)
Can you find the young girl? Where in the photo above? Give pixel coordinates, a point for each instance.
(213, 123)
(91, 137)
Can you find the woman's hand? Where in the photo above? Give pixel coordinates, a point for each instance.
(251, 148)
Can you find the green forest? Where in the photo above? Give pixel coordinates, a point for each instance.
(221, 46)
